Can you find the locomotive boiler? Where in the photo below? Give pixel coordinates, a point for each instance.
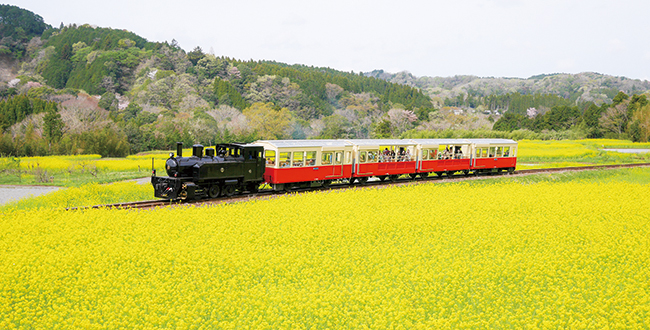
(221, 171)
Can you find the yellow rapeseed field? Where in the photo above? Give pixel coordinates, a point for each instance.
(134, 162)
(429, 256)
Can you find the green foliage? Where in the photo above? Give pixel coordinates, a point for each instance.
(97, 38)
(20, 23)
(107, 142)
(518, 103)
(521, 134)
(99, 59)
(17, 27)
(16, 108)
(313, 81)
(226, 94)
(57, 71)
(53, 125)
(108, 102)
(195, 55)
(382, 130)
(336, 127)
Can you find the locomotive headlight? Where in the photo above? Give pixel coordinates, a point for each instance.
(172, 166)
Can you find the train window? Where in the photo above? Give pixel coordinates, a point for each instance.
(372, 156)
(506, 151)
(514, 152)
(425, 154)
(270, 158)
(362, 157)
(478, 153)
(338, 159)
(310, 160)
(499, 151)
(298, 158)
(433, 153)
(326, 158)
(484, 153)
(492, 151)
(285, 159)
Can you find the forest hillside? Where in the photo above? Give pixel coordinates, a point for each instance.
(87, 89)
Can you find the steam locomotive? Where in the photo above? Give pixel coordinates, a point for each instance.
(221, 171)
(304, 164)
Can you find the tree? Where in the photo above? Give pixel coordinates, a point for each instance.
(268, 122)
(382, 130)
(641, 124)
(195, 55)
(108, 101)
(53, 125)
(619, 98)
(336, 127)
(615, 118)
(400, 120)
(131, 111)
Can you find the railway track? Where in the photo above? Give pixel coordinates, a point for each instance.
(402, 181)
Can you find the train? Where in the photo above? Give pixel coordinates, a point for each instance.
(286, 165)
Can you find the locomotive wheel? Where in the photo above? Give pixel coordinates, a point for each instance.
(450, 174)
(288, 187)
(352, 180)
(229, 190)
(439, 174)
(363, 180)
(466, 172)
(327, 183)
(393, 178)
(214, 191)
(413, 176)
(424, 175)
(382, 178)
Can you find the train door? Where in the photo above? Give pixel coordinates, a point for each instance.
(253, 163)
(338, 163)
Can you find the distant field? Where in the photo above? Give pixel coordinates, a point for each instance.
(545, 251)
(75, 171)
(550, 154)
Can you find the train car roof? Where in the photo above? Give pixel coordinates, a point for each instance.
(492, 141)
(441, 141)
(382, 142)
(305, 143)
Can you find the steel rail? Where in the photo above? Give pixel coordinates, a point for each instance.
(369, 184)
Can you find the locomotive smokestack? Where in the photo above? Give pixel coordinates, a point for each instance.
(179, 149)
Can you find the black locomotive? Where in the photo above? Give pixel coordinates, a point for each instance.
(230, 168)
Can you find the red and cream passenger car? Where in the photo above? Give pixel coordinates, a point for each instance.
(490, 155)
(443, 156)
(305, 163)
(302, 163)
(382, 159)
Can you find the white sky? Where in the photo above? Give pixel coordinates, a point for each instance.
(500, 38)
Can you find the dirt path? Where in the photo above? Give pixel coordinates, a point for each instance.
(14, 193)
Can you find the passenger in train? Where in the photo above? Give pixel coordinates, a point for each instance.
(384, 155)
(447, 153)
